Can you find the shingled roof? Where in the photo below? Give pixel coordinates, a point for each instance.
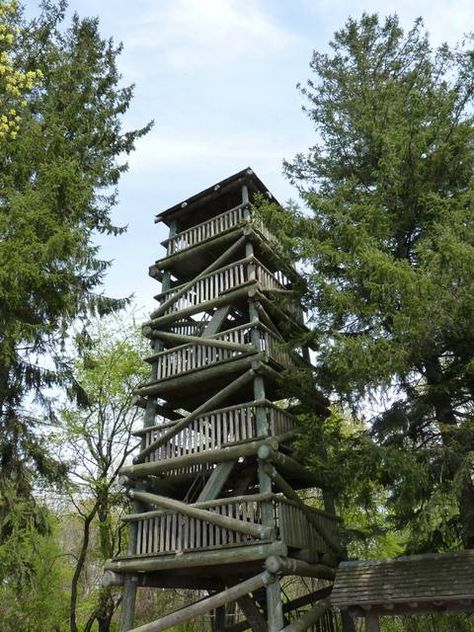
(442, 581)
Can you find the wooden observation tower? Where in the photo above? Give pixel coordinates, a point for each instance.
(214, 484)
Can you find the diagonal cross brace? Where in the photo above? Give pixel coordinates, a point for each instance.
(183, 423)
(233, 524)
(214, 266)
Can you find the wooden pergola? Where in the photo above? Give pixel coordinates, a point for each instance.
(409, 585)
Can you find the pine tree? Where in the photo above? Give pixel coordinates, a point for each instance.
(58, 178)
(388, 247)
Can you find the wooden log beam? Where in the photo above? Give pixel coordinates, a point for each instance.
(223, 299)
(310, 618)
(210, 603)
(194, 559)
(268, 321)
(219, 455)
(233, 524)
(215, 265)
(310, 598)
(202, 505)
(312, 518)
(218, 240)
(267, 453)
(287, 566)
(185, 421)
(217, 321)
(199, 340)
(215, 483)
(199, 374)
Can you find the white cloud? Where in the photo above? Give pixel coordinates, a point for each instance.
(163, 150)
(196, 33)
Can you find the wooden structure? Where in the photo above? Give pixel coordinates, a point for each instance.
(214, 484)
(414, 584)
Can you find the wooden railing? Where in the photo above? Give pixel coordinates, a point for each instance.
(216, 226)
(228, 278)
(296, 531)
(188, 357)
(188, 327)
(216, 429)
(171, 532)
(212, 227)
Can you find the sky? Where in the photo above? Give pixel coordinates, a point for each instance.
(219, 79)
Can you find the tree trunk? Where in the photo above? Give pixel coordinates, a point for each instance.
(441, 400)
(78, 570)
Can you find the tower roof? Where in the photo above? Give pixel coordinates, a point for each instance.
(191, 204)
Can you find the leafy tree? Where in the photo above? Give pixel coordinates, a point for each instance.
(33, 573)
(14, 83)
(96, 440)
(58, 180)
(388, 252)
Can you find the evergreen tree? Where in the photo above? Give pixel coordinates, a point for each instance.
(389, 252)
(58, 178)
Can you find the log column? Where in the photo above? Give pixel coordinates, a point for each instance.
(273, 591)
(129, 595)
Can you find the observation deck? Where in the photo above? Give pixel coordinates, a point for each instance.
(215, 481)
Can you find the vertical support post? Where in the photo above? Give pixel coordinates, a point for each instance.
(372, 623)
(129, 594)
(273, 591)
(128, 603)
(219, 619)
(274, 607)
(348, 624)
(130, 583)
(245, 201)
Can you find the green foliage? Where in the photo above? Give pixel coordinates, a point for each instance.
(96, 439)
(58, 182)
(388, 253)
(33, 577)
(14, 83)
(439, 622)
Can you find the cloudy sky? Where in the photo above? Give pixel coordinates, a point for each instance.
(219, 79)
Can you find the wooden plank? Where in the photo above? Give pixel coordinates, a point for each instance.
(226, 298)
(171, 261)
(274, 607)
(198, 375)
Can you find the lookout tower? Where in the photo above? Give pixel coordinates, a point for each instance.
(215, 482)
